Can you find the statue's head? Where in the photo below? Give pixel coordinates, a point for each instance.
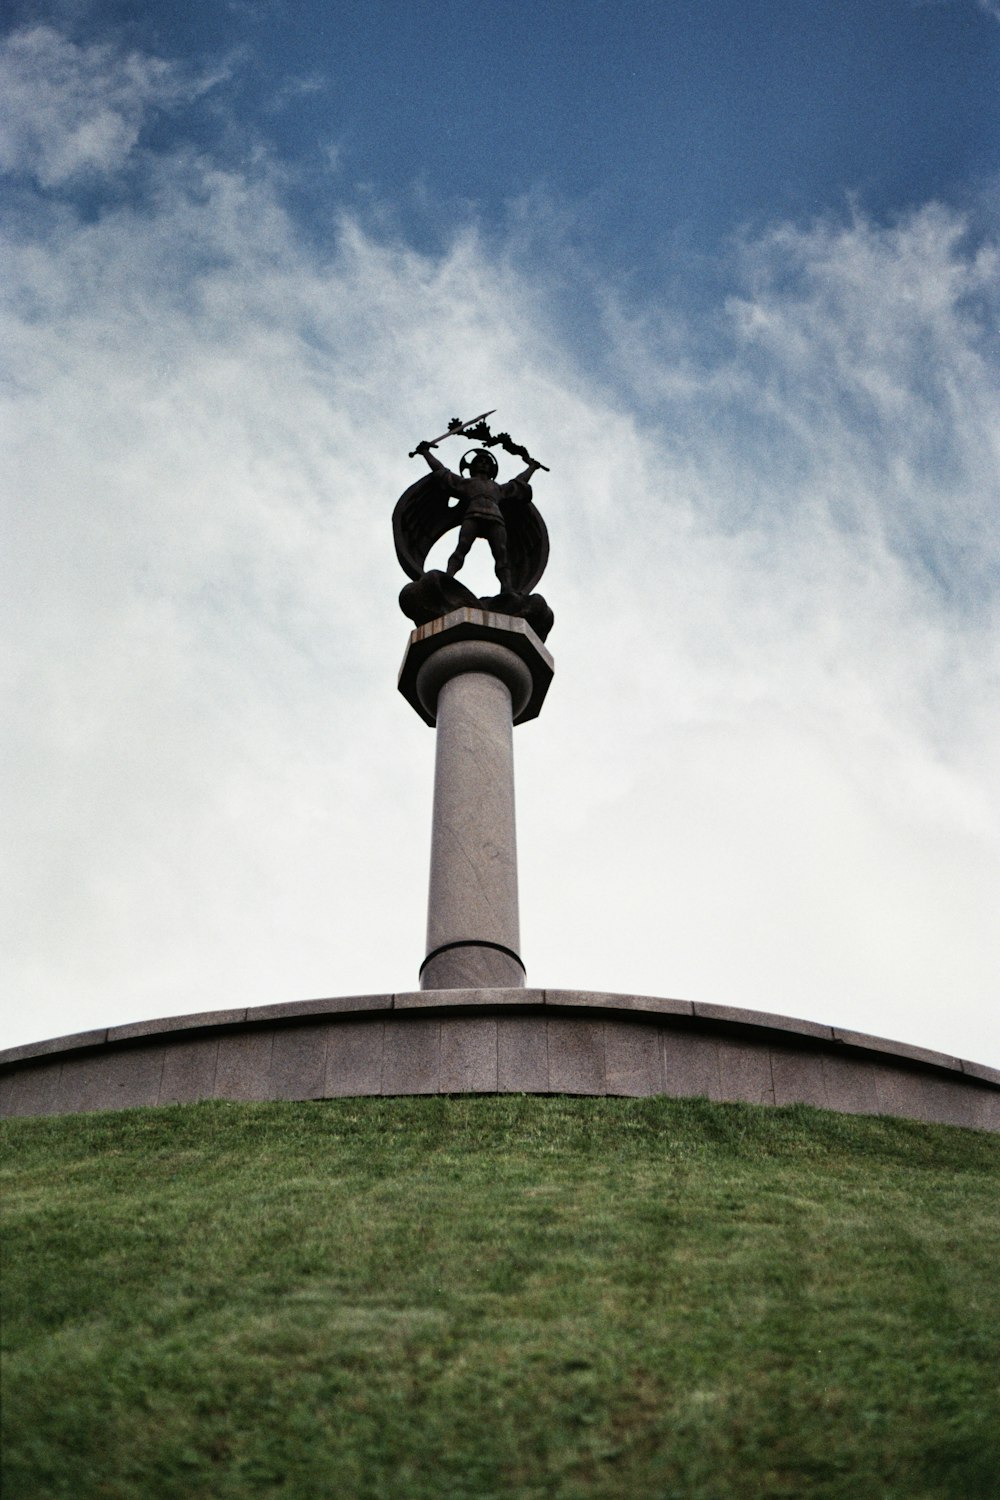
(480, 463)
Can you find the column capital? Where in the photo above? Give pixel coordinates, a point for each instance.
(492, 630)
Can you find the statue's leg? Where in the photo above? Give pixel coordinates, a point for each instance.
(498, 545)
(467, 534)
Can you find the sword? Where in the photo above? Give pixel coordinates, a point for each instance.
(454, 431)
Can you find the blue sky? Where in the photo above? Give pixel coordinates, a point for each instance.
(733, 272)
(659, 129)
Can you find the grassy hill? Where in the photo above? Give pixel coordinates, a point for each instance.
(500, 1297)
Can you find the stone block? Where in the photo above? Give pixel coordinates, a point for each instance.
(35, 1090)
(82, 1085)
(298, 1061)
(797, 1077)
(189, 1071)
(736, 1016)
(522, 1054)
(980, 1070)
(903, 1093)
(690, 1064)
(985, 1107)
(745, 1072)
(898, 1092)
(243, 1069)
(56, 1044)
(167, 1024)
(476, 998)
(135, 1077)
(110, 1080)
(588, 999)
(340, 1005)
(897, 1049)
(576, 1056)
(944, 1099)
(850, 1085)
(633, 1059)
(412, 1055)
(354, 1059)
(468, 1055)
(664, 1005)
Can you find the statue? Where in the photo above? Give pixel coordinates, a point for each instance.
(479, 506)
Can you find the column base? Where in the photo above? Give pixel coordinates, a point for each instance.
(472, 965)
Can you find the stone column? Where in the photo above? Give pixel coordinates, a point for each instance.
(474, 675)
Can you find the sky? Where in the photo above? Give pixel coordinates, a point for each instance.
(732, 272)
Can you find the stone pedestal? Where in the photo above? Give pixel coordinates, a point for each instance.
(474, 675)
(494, 1041)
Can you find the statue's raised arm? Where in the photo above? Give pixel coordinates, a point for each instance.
(433, 462)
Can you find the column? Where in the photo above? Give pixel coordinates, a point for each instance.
(474, 675)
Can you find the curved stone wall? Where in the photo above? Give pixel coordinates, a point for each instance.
(494, 1041)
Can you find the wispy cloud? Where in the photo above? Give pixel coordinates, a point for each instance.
(767, 773)
(73, 111)
(854, 371)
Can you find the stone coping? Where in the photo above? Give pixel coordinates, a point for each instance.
(689, 1014)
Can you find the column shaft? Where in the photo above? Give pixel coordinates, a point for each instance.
(472, 920)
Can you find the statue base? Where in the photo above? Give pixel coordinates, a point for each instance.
(453, 644)
(437, 594)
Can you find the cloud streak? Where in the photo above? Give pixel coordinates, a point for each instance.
(766, 774)
(73, 112)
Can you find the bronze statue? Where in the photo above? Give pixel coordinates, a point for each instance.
(479, 506)
(482, 514)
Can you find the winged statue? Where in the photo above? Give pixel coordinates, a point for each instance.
(474, 501)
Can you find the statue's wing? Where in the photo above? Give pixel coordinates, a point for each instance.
(527, 537)
(423, 513)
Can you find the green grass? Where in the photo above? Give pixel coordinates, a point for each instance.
(500, 1297)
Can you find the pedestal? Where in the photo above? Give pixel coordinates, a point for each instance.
(474, 675)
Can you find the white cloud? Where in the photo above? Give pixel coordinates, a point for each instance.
(74, 112)
(767, 771)
(858, 378)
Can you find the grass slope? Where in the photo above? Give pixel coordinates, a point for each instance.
(500, 1297)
